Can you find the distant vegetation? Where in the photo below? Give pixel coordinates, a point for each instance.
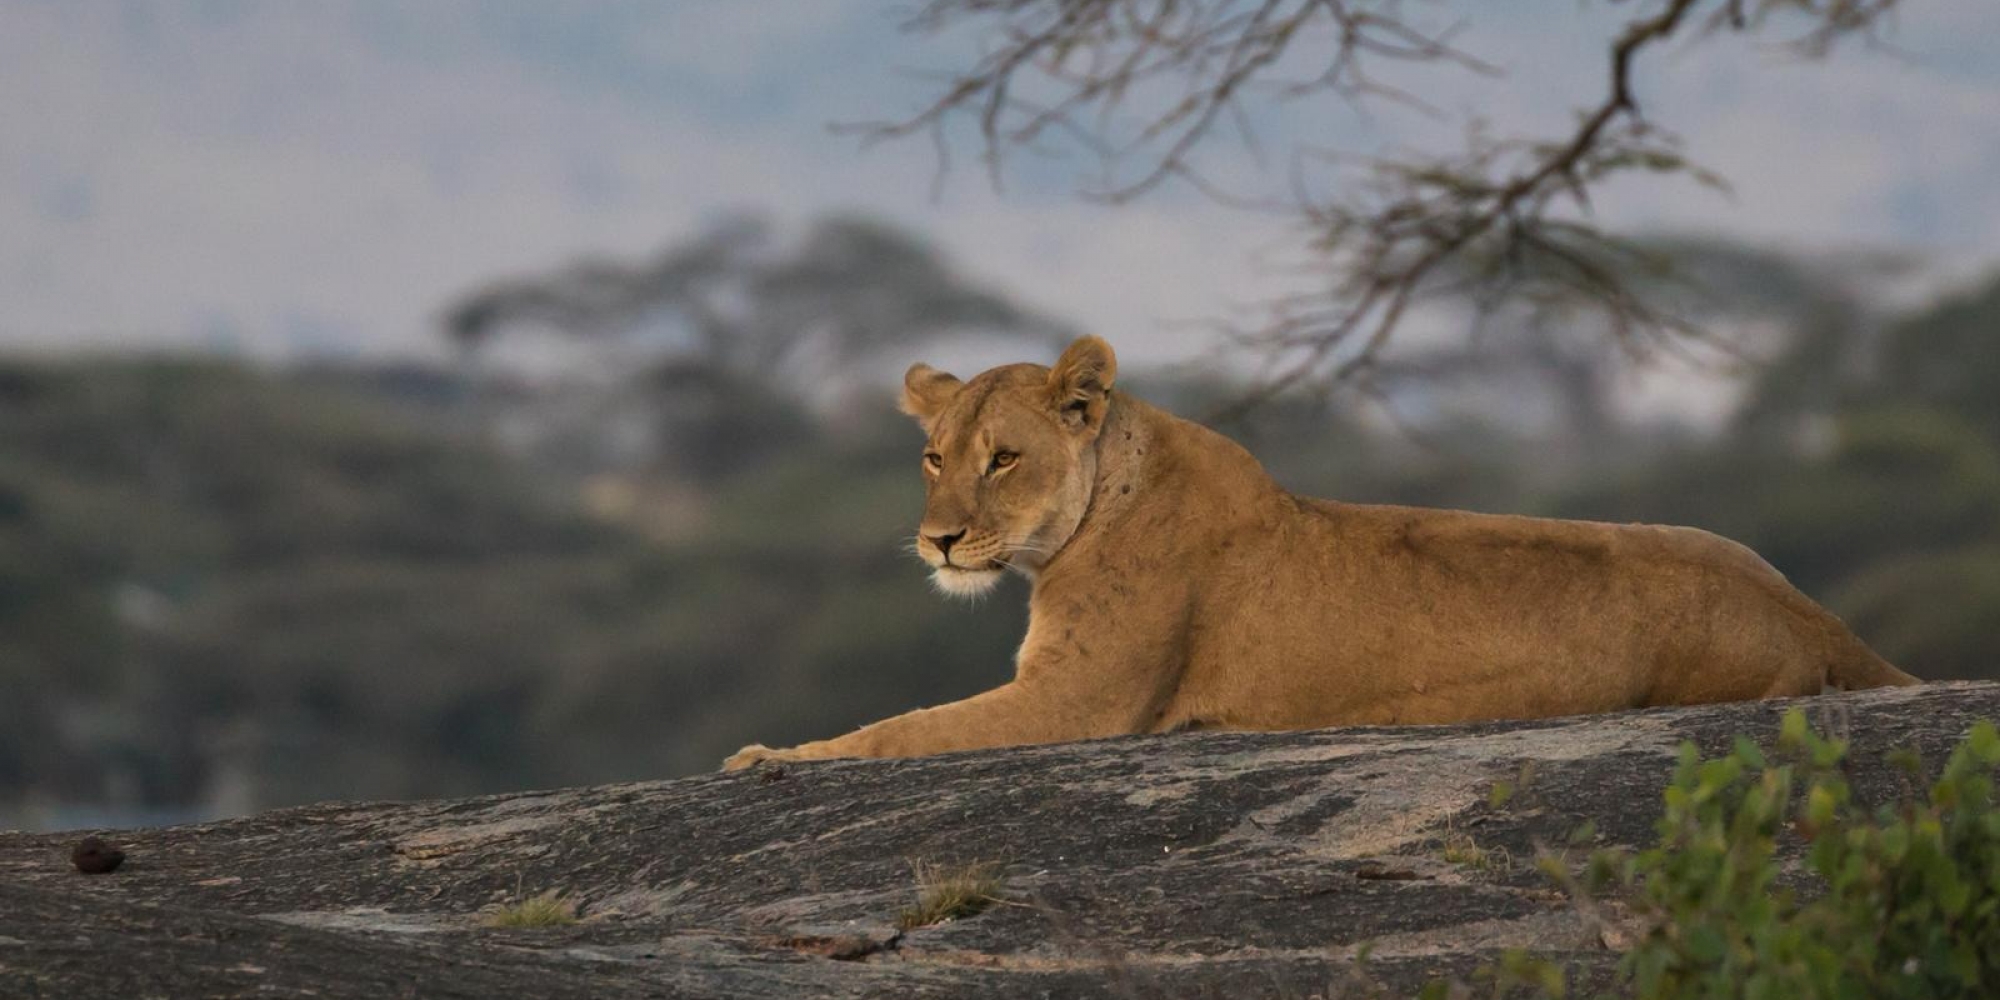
(224, 589)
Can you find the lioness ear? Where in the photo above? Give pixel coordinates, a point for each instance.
(1080, 382)
(926, 392)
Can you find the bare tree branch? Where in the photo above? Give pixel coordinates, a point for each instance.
(1499, 218)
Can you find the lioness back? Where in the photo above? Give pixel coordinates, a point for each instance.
(1378, 614)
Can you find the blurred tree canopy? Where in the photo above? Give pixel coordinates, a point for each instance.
(224, 589)
(717, 344)
(738, 302)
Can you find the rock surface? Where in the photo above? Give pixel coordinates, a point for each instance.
(1198, 865)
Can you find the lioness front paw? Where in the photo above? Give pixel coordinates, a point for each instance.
(754, 754)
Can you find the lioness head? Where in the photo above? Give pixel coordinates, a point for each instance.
(1009, 466)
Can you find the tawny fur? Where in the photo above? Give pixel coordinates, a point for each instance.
(1176, 586)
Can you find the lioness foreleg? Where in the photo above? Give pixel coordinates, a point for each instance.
(1060, 691)
(1010, 715)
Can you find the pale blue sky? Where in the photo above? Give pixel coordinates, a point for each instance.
(321, 175)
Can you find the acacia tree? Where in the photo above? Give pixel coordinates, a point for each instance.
(709, 343)
(746, 306)
(1145, 84)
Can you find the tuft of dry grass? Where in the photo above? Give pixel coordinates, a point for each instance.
(950, 892)
(549, 909)
(1460, 849)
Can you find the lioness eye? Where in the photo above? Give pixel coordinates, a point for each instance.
(1004, 460)
(933, 461)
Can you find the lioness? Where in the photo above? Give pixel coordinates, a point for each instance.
(1176, 586)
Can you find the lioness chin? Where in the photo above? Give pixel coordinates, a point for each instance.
(1176, 586)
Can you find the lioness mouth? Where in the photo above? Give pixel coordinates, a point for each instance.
(989, 566)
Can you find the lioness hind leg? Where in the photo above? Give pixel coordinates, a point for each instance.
(1797, 682)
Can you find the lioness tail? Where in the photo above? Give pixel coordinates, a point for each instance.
(1862, 668)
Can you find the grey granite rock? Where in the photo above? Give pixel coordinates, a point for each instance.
(1199, 865)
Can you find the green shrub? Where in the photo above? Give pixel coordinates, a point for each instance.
(1910, 905)
(1906, 903)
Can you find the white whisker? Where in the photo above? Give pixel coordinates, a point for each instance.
(1025, 572)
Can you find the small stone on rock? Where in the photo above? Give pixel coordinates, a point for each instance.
(93, 856)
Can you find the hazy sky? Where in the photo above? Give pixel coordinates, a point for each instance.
(295, 176)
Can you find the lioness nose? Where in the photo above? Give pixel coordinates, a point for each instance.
(945, 542)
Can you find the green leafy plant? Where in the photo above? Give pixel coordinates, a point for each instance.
(1906, 904)
(1910, 905)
